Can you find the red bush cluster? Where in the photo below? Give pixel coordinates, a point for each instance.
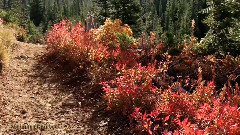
(132, 88)
(155, 102)
(84, 48)
(74, 43)
(196, 114)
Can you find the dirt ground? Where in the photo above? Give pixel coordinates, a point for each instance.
(33, 100)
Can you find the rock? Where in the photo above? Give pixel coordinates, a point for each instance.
(23, 111)
(22, 57)
(71, 103)
(103, 123)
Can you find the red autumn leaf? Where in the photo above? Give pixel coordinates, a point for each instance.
(166, 118)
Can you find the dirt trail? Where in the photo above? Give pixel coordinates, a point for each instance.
(32, 102)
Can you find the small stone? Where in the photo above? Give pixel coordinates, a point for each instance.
(24, 116)
(102, 123)
(48, 105)
(23, 111)
(70, 103)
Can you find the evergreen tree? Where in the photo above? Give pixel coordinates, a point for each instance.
(12, 4)
(2, 4)
(104, 12)
(66, 9)
(36, 12)
(160, 10)
(184, 19)
(222, 19)
(128, 11)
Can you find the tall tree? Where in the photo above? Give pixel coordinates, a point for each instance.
(222, 19)
(104, 12)
(128, 11)
(66, 8)
(36, 12)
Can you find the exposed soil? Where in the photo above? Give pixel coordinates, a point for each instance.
(35, 100)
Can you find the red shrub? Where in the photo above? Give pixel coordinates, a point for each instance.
(199, 113)
(82, 48)
(180, 114)
(167, 111)
(132, 89)
(145, 122)
(59, 37)
(221, 118)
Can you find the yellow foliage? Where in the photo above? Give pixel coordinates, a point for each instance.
(7, 39)
(106, 34)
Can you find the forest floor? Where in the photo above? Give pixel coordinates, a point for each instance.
(35, 99)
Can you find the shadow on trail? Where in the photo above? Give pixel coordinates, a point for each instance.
(87, 96)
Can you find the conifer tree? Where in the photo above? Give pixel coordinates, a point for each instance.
(223, 17)
(128, 11)
(36, 12)
(104, 12)
(66, 10)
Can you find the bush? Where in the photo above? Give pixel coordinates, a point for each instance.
(186, 64)
(125, 41)
(133, 88)
(180, 113)
(68, 42)
(92, 51)
(11, 16)
(7, 40)
(26, 30)
(34, 34)
(169, 97)
(20, 32)
(106, 34)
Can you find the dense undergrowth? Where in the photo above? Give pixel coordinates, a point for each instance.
(7, 38)
(159, 93)
(26, 30)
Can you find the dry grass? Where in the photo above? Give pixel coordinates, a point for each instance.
(7, 39)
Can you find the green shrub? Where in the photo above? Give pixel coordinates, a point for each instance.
(125, 40)
(34, 34)
(11, 16)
